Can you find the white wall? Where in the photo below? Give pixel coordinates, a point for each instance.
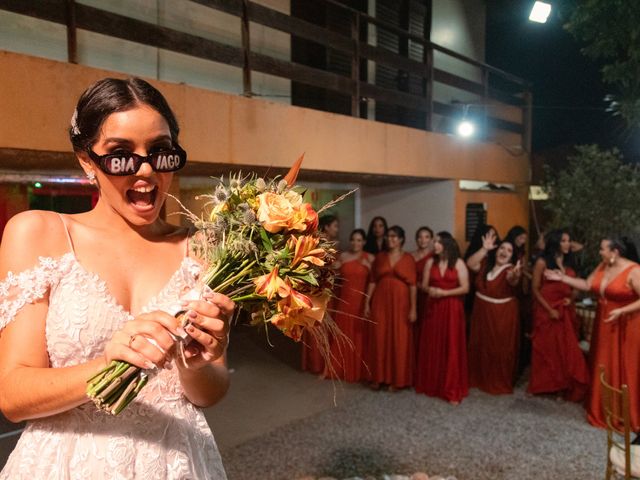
(411, 206)
(31, 36)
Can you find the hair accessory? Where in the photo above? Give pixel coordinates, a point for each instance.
(74, 123)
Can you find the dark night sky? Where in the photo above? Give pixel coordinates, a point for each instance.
(567, 91)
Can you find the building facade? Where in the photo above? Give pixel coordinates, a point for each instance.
(370, 92)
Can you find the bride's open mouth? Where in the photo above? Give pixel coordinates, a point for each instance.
(143, 197)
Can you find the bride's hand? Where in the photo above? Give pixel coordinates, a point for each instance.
(143, 341)
(209, 329)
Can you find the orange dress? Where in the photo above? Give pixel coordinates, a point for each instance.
(493, 343)
(347, 359)
(557, 363)
(616, 345)
(390, 355)
(441, 370)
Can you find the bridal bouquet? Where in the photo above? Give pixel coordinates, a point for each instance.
(261, 247)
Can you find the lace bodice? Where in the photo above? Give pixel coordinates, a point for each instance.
(160, 435)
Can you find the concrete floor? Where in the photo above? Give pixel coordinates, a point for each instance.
(266, 394)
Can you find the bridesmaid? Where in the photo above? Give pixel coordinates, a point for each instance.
(474, 245)
(616, 335)
(376, 236)
(493, 344)
(557, 363)
(442, 353)
(355, 266)
(330, 227)
(517, 237)
(312, 359)
(424, 242)
(391, 305)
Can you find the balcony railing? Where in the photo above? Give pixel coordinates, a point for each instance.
(513, 93)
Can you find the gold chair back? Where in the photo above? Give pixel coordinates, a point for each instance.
(615, 406)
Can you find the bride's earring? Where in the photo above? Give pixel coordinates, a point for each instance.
(92, 178)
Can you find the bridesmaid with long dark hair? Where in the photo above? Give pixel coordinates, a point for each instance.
(355, 268)
(442, 353)
(376, 236)
(493, 342)
(557, 363)
(517, 237)
(391, 305)
(615, 343)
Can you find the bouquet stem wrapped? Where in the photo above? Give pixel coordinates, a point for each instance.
(261, 247)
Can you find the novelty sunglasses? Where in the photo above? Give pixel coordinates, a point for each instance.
(128, 163)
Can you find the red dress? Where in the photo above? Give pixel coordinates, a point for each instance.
(441, 370)
(493, 343)
(557, 363)
(347, 359)
(390, 356)
(616, 345)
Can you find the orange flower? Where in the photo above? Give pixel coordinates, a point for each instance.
(294, 322)
(287, 325)
(312, 220)
(276, 212)
(294, 301)
(292, 174)
(304, 219)
(270, 284)
(304, 248)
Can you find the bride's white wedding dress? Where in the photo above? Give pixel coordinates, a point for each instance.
(160, 435)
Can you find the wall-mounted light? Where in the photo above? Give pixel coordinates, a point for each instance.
(465, 128)
(540, 12)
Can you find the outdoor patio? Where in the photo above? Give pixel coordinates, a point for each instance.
(279, 423)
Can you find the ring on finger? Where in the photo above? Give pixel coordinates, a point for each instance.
(131, 339)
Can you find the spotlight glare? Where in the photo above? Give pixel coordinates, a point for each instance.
(37, 185)
(466, 129)
(540, 12)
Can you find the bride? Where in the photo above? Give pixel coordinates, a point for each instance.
(82, 290)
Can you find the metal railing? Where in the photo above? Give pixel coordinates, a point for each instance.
(78, 16)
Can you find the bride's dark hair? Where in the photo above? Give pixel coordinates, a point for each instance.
(111, 95)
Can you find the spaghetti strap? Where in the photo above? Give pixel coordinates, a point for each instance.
(66, 231)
